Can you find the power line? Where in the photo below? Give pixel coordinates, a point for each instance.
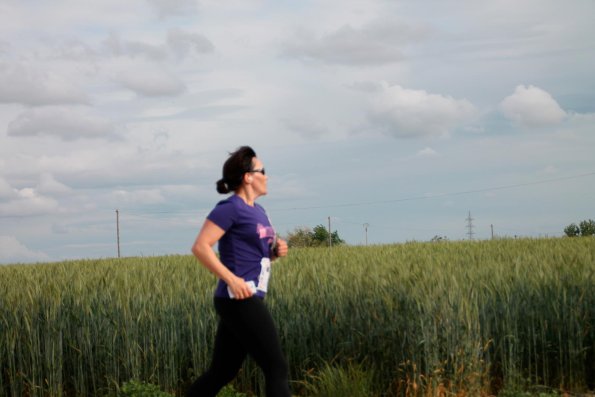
(355, 204)
(431, 196)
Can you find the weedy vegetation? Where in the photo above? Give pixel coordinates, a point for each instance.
(416, 319)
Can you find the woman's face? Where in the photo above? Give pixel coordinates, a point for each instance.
(258, 178)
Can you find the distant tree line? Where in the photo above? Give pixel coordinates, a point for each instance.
(437, 238)
(317, 237)
(303, 236)
(584, 228)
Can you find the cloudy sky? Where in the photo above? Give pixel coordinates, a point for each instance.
(405, 116)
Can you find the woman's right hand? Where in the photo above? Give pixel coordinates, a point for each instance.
(240, 289)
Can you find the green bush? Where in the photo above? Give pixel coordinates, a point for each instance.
(229, 391)
(141, 389)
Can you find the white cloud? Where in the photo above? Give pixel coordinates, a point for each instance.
(142, 196)
(23, 83)
(426, 152)
(183, 43)
(49, 185)
(532, 107)
(13, 251)
(76, 51)
(402, 112)
(6, 191)
(307, 127)
(117, 47)
(378, 42)
(28, 202)
(67, 123)
(167, 8)
(145, 78)
(178, 42)
(67, 18)
(579, 123)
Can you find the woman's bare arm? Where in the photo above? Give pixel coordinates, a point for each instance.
(203, 251)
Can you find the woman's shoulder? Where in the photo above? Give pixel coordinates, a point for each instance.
(228, 202)
(236, 204)
(224, 213)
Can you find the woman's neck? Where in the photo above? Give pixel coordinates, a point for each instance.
(247, 196)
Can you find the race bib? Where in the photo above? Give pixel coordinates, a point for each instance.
(265, 274)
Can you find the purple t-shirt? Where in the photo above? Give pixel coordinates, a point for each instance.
(245, 247)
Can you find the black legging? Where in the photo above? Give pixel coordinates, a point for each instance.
(245, 327)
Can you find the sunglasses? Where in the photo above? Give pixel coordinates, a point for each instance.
(260, 170)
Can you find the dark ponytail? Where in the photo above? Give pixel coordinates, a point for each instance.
(238, 163)
(222, 187)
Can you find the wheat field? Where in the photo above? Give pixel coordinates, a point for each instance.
(458, 317)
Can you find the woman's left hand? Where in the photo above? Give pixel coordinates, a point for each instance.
(281, 247)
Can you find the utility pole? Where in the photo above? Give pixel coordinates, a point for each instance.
(470, 226)
(492, 227)
(118, 230)
(330, 241)
(366, 230)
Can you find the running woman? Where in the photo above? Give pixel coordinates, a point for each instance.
(247, 246)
